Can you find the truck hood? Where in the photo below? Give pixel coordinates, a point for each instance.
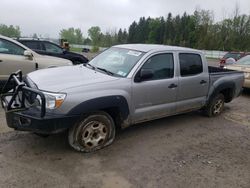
(62, 78)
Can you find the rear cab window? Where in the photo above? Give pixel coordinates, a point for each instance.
(190, 64)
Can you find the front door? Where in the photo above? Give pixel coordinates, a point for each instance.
(155, 97)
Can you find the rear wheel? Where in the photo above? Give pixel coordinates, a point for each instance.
(92, 132)
(215, 106)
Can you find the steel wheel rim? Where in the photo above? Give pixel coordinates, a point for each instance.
(218, 106)
(94, 134)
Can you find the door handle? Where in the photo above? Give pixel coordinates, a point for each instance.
(203, 82)
(171, 86)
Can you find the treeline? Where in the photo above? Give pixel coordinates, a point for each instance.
(197, 30)
(74, 36)
(10, 31)
(95, 36)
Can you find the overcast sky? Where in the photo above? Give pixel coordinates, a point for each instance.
(48, 17)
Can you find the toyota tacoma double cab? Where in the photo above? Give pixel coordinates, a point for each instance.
(122, 86)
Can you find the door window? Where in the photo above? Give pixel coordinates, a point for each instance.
(7, 47)
(162, 66)
(190, 64)
(52, 48)
(32, 44)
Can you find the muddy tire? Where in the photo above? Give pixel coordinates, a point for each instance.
(215, 106)
(92, 132)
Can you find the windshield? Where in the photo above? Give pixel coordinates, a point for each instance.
(118, 61)
(236, 56)
(244, 61)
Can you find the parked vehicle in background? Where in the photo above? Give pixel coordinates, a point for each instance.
(86, 50)
(235, 55)
(15, 56)
(242, 65)
(45, 47)
(122, 86)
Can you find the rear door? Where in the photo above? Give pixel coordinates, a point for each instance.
(155, 97)
(193, 82)
(12, 59)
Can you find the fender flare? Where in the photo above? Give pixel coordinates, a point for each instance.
(221, 87)
(100, 103)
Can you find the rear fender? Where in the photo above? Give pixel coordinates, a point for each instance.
(219, 88)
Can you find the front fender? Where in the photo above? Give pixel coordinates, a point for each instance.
(100, 103)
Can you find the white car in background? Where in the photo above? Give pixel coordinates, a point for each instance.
(243, 65)
(15, 56)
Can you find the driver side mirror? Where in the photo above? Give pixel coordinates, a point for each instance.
(28, 54)
(144, 74)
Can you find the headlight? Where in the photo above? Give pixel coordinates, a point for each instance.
(53, 100)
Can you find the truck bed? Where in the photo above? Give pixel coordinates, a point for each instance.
(219, 75)
(217, 70)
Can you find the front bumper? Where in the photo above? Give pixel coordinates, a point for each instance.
(30, 121)
(21, 116)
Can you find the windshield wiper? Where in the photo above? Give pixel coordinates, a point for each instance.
(105, 70)
(93, 67)
(99, 68)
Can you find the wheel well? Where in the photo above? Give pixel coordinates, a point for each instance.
(114, 112)
(228, 94)
(116, 106)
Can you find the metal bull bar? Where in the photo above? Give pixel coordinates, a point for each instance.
(18, 92)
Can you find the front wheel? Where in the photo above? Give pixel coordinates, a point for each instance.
(215, 106)
(92, 132)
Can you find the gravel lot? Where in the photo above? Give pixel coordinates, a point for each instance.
(187, 150)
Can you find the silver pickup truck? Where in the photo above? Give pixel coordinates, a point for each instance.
(122, 86)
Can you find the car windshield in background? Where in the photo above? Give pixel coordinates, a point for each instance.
(236, 56)
(244, 61)
(118, 61)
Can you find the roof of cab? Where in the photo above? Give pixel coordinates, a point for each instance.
(154, 47)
